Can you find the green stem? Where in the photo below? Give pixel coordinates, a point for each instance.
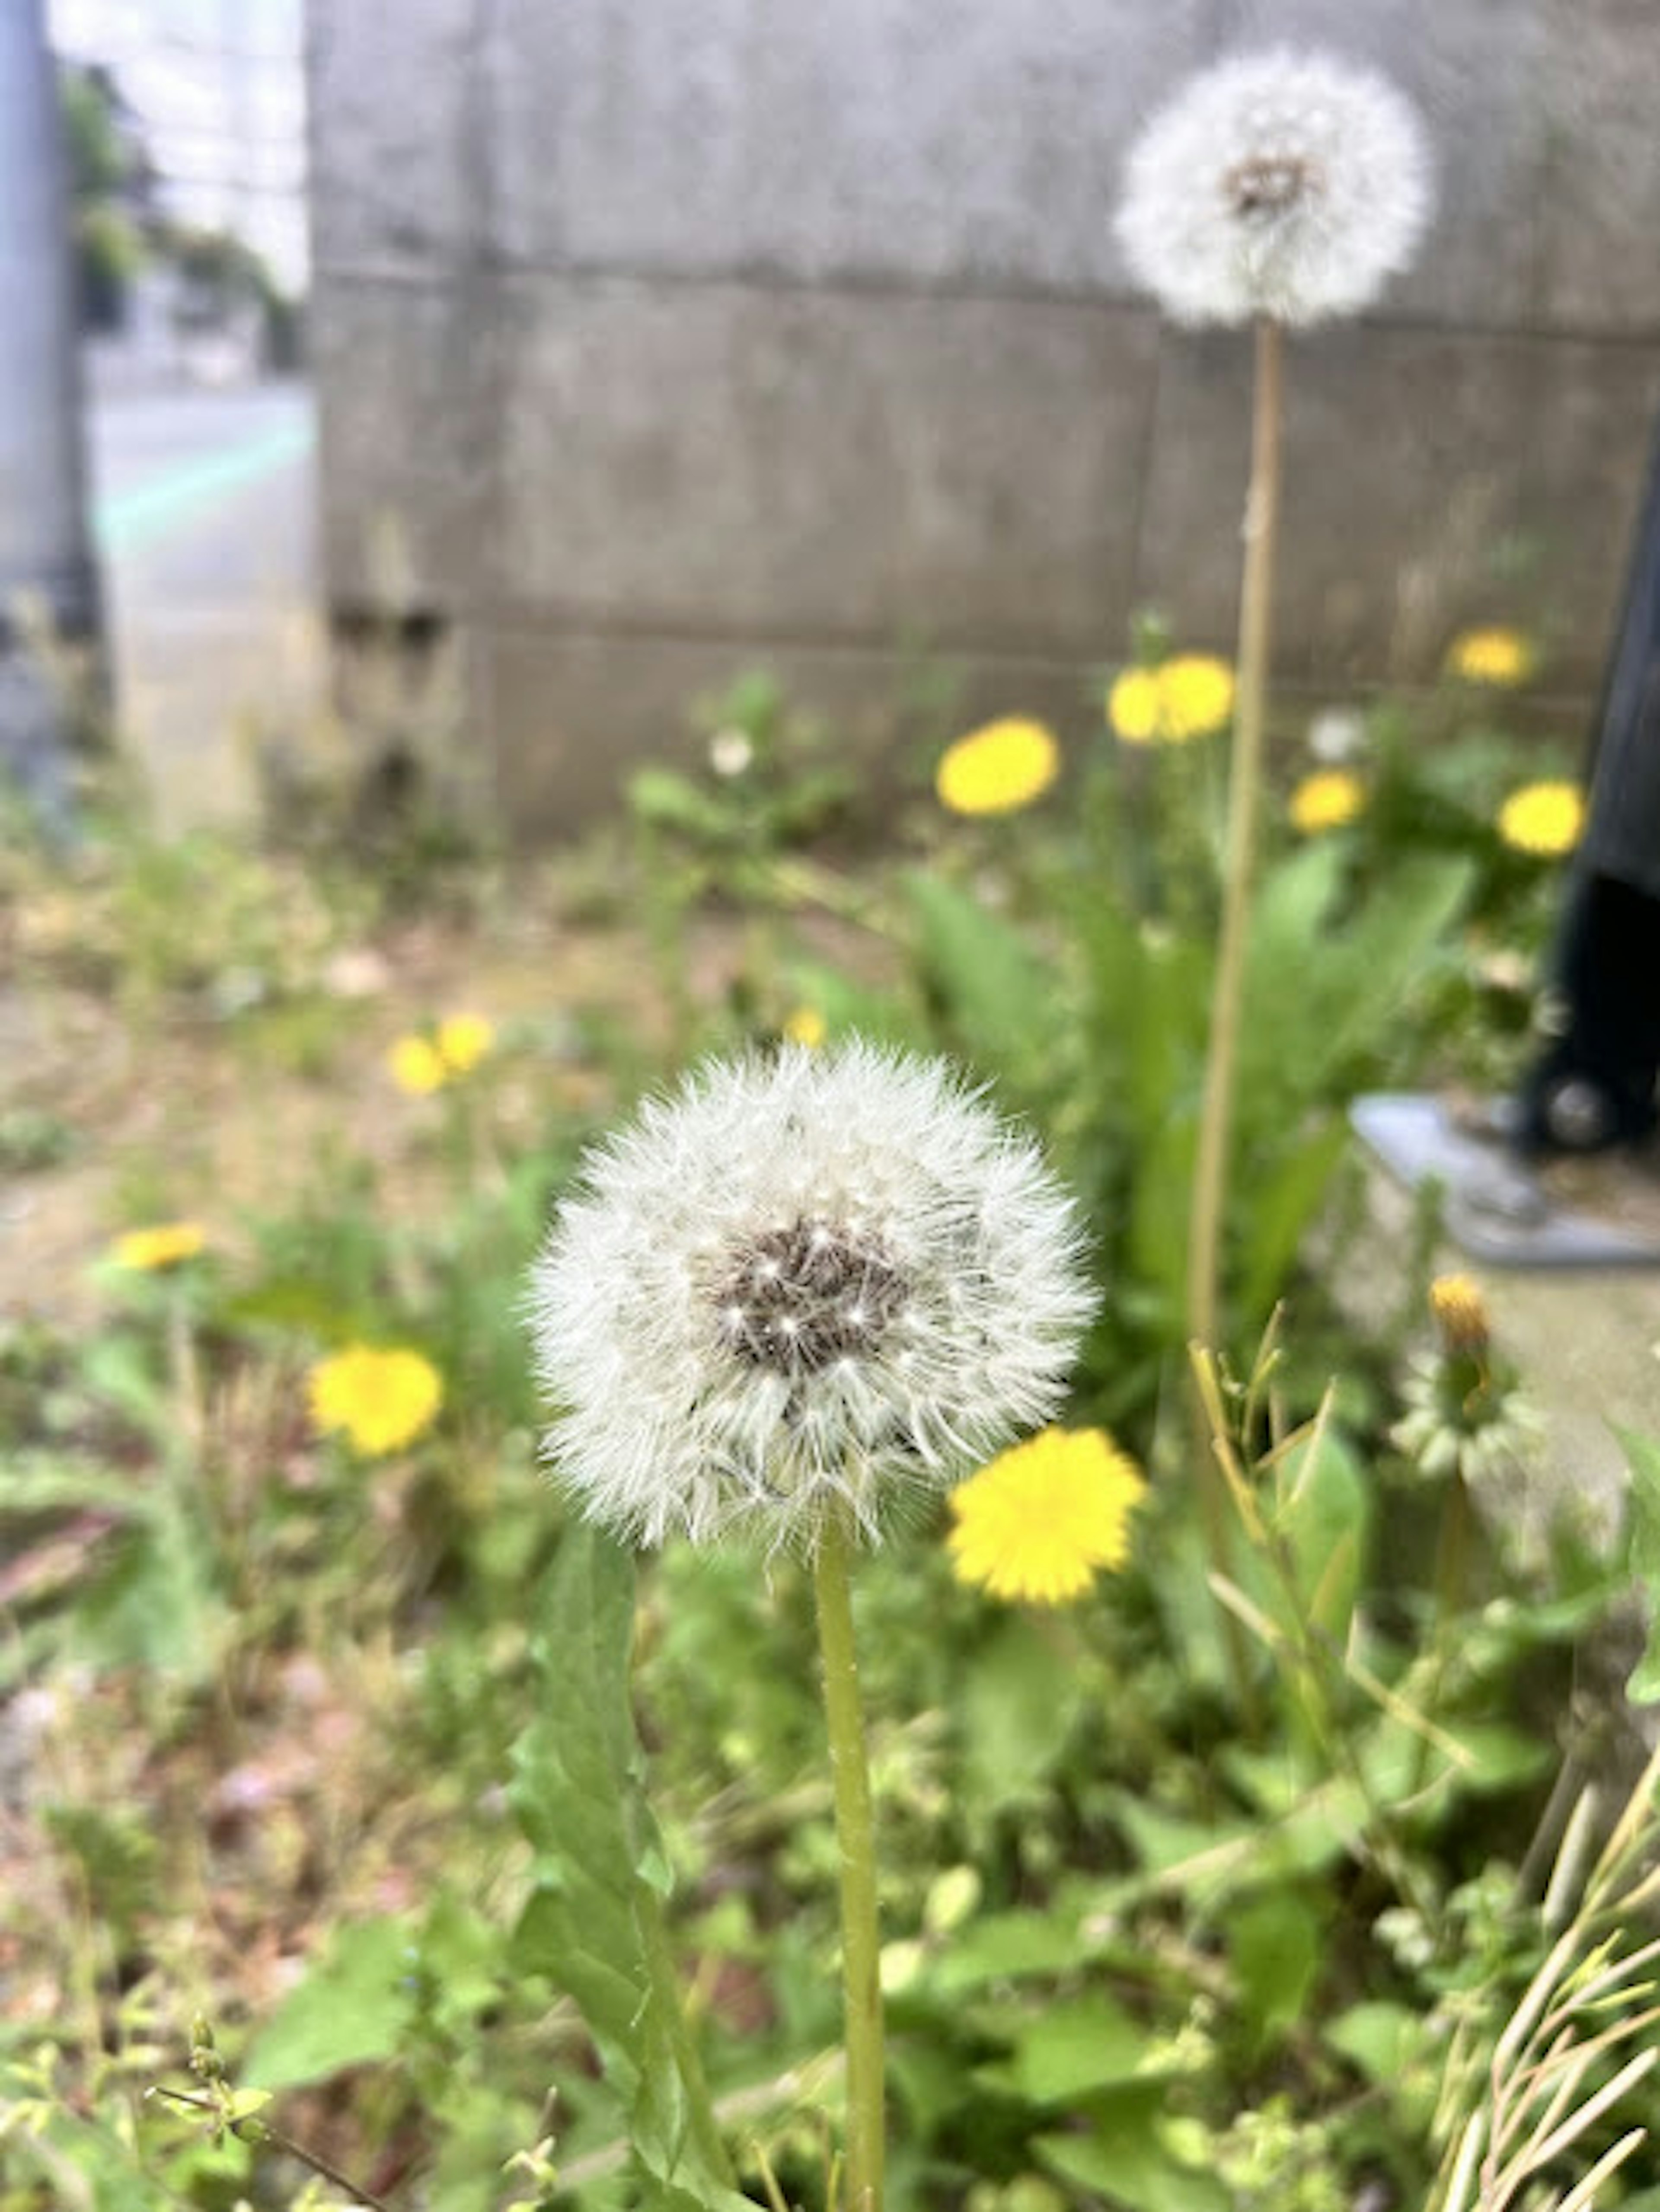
(1452, 1572)
(1208, 1213)
(1244, 784)
(861, 1983)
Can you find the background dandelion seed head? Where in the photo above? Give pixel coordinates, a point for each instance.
(1279, 183)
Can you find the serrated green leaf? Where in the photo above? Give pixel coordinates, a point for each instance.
(593, 1923)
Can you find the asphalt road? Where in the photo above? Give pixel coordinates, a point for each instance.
(205, 517)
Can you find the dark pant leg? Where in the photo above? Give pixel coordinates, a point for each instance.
(1595, 1084)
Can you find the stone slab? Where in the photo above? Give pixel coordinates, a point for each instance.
(832, 465)
(1432, 480)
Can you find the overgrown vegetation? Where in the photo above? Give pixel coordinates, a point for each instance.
(326, 1835)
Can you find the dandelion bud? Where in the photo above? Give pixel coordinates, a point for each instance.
(1460, 1313)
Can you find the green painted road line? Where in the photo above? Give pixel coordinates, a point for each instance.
(133, 519)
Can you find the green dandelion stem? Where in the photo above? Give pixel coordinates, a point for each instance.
(1208, 1213)
(1244, 786)
(861, 1983)
(1452, 1550)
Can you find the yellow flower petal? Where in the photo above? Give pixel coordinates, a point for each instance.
(146, 1250)
(1133, 707)
(1196, 696)
(463, 1041)
(998, 769)
(1461, 1312)
(378, 1401)
(1044, 1518)
(417, 1065)
(1188, 696)
(1498, 657)
(806, 1026)
(1543, 819)
(1326, 800)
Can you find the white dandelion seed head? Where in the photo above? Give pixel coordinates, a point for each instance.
(804, 1283)
(1279, 183)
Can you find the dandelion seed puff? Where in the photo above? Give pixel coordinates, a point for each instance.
(1279, 183)
(831, 1280)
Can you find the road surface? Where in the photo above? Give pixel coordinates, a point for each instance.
(205, 517)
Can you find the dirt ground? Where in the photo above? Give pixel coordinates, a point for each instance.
(158, 1110)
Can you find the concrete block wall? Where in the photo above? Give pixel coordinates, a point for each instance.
(678, 336)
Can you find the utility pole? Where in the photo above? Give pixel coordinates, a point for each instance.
(47, 566)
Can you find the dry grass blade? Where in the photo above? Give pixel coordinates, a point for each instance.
(1534, 2105)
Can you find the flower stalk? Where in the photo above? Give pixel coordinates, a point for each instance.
(861, 1983)
(1210, 1182)
(1208, 1212)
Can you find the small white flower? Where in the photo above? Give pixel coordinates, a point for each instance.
(815, 1278)
(1279, 183)
(1337, 736)
(731, 751)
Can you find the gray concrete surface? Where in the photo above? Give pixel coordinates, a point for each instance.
(746, 333)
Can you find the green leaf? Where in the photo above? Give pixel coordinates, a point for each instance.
(849, 1005)
(1377, 2039)
(1126, 2161)
(1276, 1944)
(1072, 2049)
(352, 2008)
(593, 1922)
(1324, 1512)
(999, 996)
(1020, 1697)
(1642, 1457)
(1005, 1947)
(1276, 1209)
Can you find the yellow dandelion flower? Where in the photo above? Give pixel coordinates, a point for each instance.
(147, 1250)
(378, 1401)
(1498, 657)
(1042, 1518)
(998, 769)
(806, 1026)
(1190, 695)
(1133, 705)
(1326, 800)
(463, 1040)
(417, 1065)
(1460, 1312)
(1195, 697)
(1543, 819)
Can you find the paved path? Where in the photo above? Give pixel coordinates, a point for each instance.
(203, 511)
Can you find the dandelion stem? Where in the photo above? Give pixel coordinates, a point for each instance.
(1208, 1212)
(1244, 782)
(855, 1834)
